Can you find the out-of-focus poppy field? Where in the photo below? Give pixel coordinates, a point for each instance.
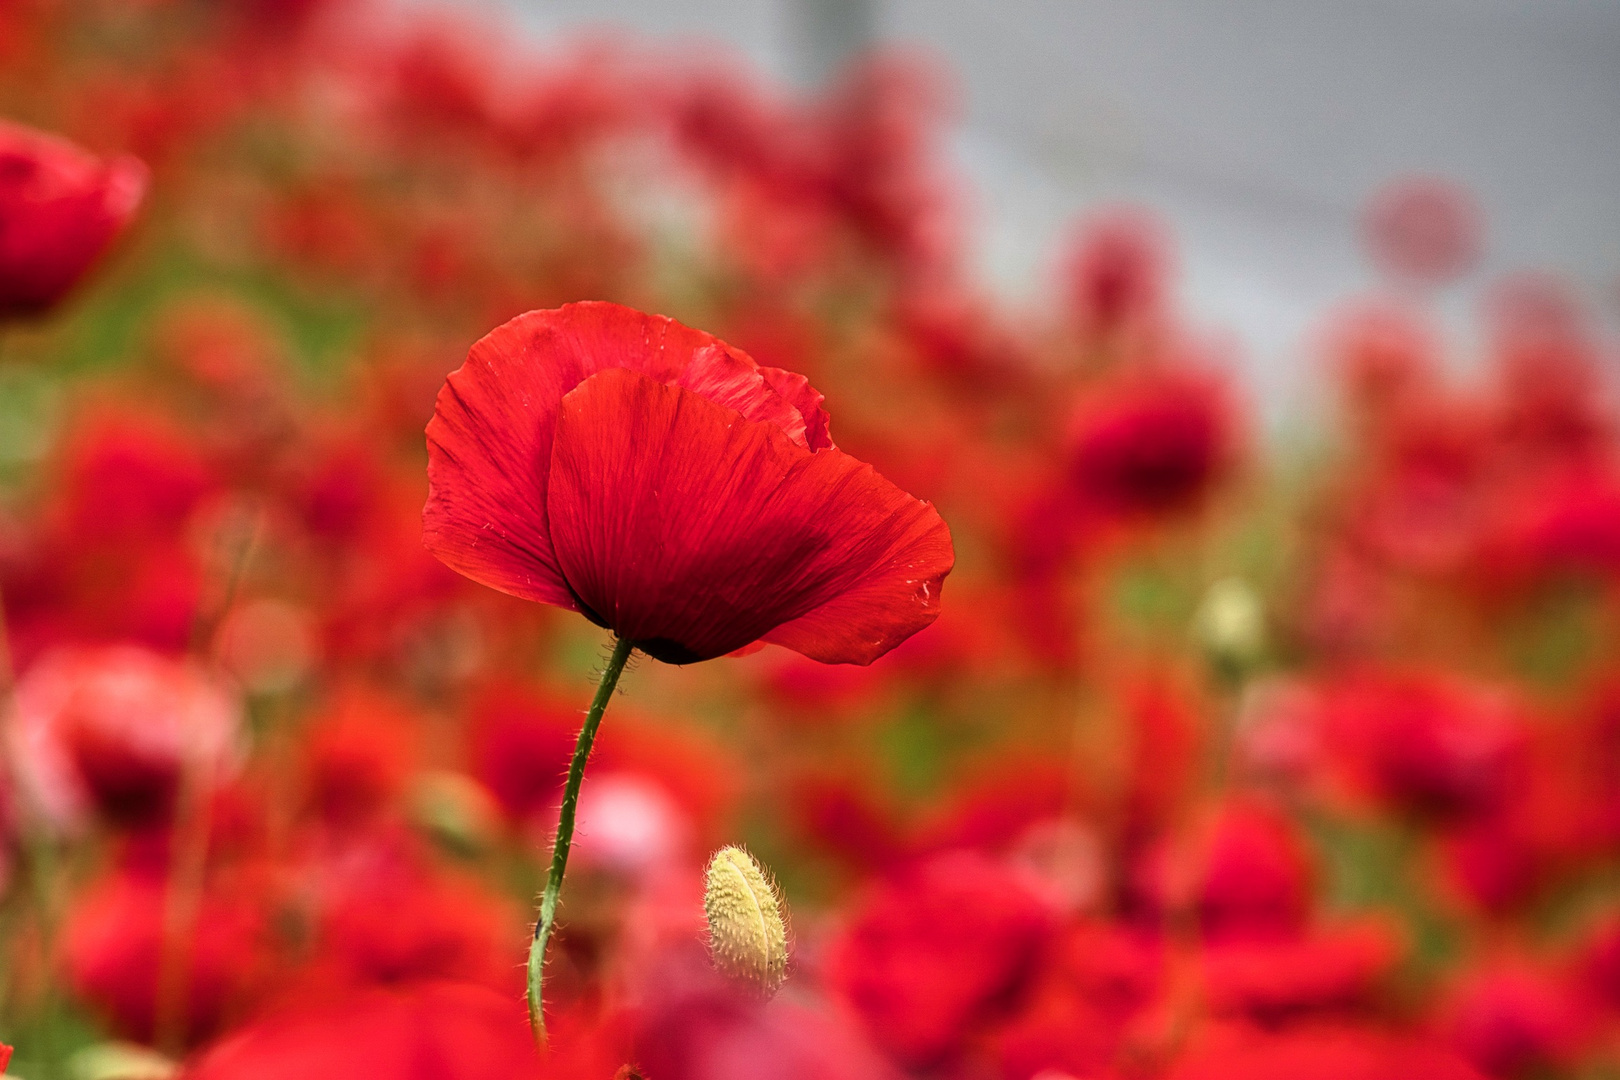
(1225, 756)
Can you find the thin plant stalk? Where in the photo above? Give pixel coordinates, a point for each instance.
(39, 844)
(565, 833)
(188, 866)
(189, 833)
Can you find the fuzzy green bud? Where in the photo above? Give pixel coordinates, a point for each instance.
(747, 931)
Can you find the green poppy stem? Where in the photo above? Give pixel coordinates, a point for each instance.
(565, 832)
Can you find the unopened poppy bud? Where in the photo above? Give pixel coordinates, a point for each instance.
(747, 933)
(1231, 626)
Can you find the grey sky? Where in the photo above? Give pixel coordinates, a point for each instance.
(1256, 127)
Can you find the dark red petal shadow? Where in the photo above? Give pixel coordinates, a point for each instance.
(694, 532)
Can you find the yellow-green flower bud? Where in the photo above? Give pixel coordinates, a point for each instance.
(1231, 626)
(120, 1061)
(747, 931)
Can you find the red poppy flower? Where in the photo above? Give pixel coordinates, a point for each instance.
(1117, 270)
(59, 209)
(1151, 443)
(690, 1024)
(1424, 229)
(1332, 1051)
(520, 747)
(444, 1030)
(938, 951)
(386, 921)
(1256, 877)
(113, 949)
(1098, 985)
(669, 488)
(1333, 970)
(359, 759)
(1436, 747)
(112, 729)
(1512, 1020)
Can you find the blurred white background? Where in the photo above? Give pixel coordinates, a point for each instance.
(1255, 127)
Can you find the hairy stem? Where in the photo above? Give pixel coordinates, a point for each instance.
(565, 832)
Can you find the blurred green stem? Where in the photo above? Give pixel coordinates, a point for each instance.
(1229, 684)
(206, 621)
(42, 879)
(182, 903)
(189, 832)
(565, 831)
(40, 848)
(1187, 862)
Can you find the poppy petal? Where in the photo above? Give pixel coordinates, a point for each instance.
(488, 450)
(860, 624)
(577, 340)
(694, 532)
(728, 378)
(489, 442)
(796, 389)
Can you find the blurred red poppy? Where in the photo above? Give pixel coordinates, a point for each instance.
(1098, 982)
(1320, 1051)
(59, 209)
(1441, 749)
(359, 759)
(1151, 443)
(937, 951)
(388, 921)
(520, 747)
(113, 729)
(1510, 1019)
(114, 950)
(448, 1031)
(1424, 229)
(693, 1025)
(1116, 270)
(1336, 970)
(667, 487)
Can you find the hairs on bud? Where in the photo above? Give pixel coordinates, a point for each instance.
(747, 930)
